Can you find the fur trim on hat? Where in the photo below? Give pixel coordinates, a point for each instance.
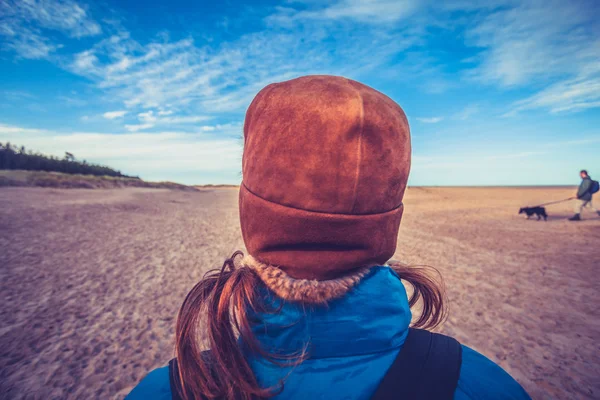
(304, 290)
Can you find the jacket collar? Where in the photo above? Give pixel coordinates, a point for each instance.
(371, 317)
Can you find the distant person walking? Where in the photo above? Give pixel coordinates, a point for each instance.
(583, 199)
(314, 311)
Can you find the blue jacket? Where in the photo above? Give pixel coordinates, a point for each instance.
(353, 342)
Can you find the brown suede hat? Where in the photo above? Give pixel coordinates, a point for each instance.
(325, 165)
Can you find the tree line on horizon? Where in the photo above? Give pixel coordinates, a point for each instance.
(15, 157)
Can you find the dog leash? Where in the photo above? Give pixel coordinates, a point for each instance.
(555, 202)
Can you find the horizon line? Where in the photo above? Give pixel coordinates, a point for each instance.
(429, 186)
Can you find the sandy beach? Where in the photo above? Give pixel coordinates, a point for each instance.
(92, 280)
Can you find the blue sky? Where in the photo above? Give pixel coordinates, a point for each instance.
(500, 93)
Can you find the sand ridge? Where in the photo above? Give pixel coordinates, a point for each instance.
(91, 282)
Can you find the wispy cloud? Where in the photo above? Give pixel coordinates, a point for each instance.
(27, 44)
(517, 43)
(72, 101)
(465, 160)
(138, 127)
(494, 55)
(182, 78)
(369, 11)
(530, 43)
(572, 95)
(85, 62)
(147, 116)
(546, 149)
(576, 142)
(183, 120)
(150, 119)
(114, 114)
(467, 112)
(12, 130)
(530, 40)
(24, 24)
(230, 130)
(17, 95)
(430, 120)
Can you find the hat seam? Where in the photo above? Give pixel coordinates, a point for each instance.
(358, 149)
(319, 212)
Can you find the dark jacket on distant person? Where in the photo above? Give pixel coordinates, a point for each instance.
(583, 193)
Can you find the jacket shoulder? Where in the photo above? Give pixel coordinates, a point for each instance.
(481, 378)
(585, 184)
(155, 386)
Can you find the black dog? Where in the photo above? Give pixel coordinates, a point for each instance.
(539, 211)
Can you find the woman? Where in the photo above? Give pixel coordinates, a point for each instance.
(313, 312)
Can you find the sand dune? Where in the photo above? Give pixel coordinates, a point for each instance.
(91, 282)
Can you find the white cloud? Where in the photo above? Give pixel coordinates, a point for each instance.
(520, 43)
(553, 44)
(183, 120)
(24, 22)
(147, 117)
(181, 79)
(64, 16)
(430, 120)
(120, 65)
(85, 62)
(114, 114)
(10, 130)
(223, 77)
(572, 95)
(28, 44)
(138, 127)
(531, 40)
(233, 129)
(366, 11)
(176, 156)
(162, 81)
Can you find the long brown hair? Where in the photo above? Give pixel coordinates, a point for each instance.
(221, 302)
